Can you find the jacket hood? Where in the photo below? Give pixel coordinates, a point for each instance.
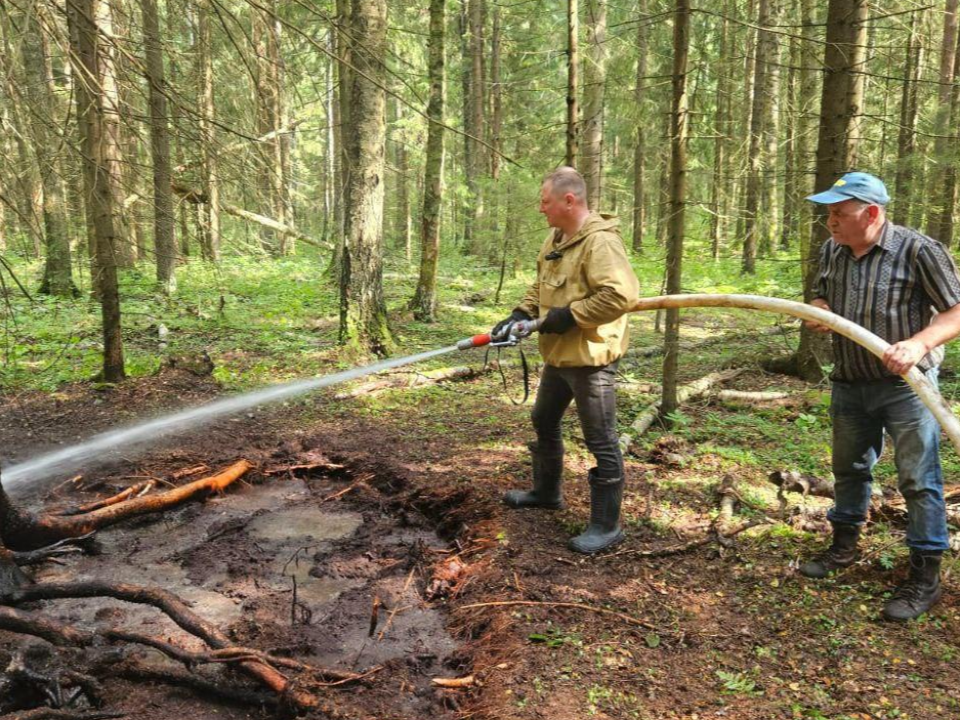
(595, 222)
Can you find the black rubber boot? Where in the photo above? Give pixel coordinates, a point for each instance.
(547, 476)
(842, 553)
(920, 592)
(604, 530)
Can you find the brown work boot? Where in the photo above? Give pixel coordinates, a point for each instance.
(920, 592)
(842, 553)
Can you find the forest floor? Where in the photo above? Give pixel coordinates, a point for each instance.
(470, 588)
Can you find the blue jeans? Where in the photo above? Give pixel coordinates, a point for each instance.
(861, 411)
(594, 389)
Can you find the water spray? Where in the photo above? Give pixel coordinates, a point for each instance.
(139, 436)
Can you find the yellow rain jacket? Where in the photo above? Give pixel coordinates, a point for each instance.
(593, 276)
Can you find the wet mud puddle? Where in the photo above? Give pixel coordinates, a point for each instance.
(278, 568)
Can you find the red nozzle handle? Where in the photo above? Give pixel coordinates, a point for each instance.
(475, 341)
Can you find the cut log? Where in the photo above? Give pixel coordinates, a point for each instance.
(685, 393)
(21, 531)
(743, 396)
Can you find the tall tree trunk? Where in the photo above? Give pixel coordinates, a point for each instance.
(164, 241)
(473, 107)
(573, 70)
(807, 93)
(89, 74)
(760, 119)
(424, 302)
(678, 199)
(721, 129)
(906, 144)
(594, 84)
(41, 94)
(124, 244)
(210, 212)
(946, 150)
(343, 126)
(274, 152)
(789, 220)
(841, 104)
(639, 150)
(363, 312)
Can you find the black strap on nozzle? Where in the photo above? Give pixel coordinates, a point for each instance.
(503, 377)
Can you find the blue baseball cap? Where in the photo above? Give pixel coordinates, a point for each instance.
(854, 186)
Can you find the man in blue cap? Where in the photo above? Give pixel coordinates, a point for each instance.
(904, 287)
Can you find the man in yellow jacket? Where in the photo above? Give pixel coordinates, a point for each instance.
(583, 288)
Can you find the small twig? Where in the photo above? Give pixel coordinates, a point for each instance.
(374, 615)
(356, 678)
(344, 491)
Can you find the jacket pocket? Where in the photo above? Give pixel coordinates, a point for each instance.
(552, 291)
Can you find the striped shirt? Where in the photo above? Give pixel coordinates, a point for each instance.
(893, 291)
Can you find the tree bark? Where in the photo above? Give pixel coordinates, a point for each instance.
(940, 224)
(678, 198)
(841, 104)
(424, 302)
(98, 154)
(763, 86)
(721, 129)
(594, 84)
(906, 144)
(210, 211)
(164, 240)
(573, 90)
(474, 162)
(363, 313)
(39, 89)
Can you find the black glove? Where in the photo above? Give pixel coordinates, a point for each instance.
(558, 320)
(503, 327)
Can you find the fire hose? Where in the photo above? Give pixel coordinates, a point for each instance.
(926, 391)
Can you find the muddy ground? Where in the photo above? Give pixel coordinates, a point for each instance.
(712, 632)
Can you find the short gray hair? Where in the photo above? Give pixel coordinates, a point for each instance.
(565, 180)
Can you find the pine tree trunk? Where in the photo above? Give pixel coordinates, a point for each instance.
(760, 118)
(474, 111)
(164, 241)
(99, 196)
(721, 129)
(573, 82)
(363, 312)
(594, 84)
(424, 302)
(906, 144)
(789, 221)
(841, 104)
(678, 198)
(940, 224)
(210, 213)
(40, 92)
(639, 96)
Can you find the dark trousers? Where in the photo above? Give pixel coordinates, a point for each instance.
(594, 390)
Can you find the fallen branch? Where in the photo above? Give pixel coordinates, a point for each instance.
(685, 393)
(573, 606)
(21, 531)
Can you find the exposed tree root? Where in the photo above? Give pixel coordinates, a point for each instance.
(177, 611)
(57, 714)
(22, 531)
